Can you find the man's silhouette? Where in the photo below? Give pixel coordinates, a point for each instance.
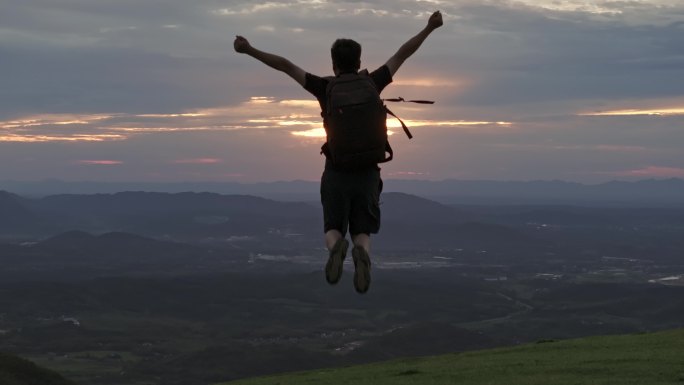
(350, 198)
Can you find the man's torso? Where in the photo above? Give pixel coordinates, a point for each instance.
(317, 86)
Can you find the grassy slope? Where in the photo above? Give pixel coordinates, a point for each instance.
(645, 359)
(18, 371)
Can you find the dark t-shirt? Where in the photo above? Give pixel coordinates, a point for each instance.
(317, 85)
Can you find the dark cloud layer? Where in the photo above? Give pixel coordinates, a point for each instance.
(118, 55)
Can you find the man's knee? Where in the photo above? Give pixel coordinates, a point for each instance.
(361, 240)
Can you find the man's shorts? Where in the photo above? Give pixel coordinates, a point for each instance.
(351, 200)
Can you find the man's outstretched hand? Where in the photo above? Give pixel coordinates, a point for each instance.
(435, 20)
(241, 44)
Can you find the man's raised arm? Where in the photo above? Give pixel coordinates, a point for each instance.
(241, 45)
(414, 43)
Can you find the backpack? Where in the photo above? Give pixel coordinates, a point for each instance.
(355, 121)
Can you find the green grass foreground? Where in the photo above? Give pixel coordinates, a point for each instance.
(643, 359)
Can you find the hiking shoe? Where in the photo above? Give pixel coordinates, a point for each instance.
(362, 265)
(333, 269)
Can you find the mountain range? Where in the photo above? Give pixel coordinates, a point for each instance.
(649, 193)
(408, 221)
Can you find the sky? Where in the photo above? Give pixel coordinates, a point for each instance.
(151, 90)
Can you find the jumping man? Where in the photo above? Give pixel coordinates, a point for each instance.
(350, 185)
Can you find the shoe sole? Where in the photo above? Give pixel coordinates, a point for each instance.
(362, 264)
(333, 269)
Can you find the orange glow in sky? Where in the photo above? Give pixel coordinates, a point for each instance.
(100, 162)
(635, 111)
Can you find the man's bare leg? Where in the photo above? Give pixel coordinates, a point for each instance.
(362, 262)
(362, 240)
(337, 247)
(331, 237)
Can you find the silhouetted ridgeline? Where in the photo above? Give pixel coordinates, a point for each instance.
(18, 371)
(649, 193)
(13, 213)
(409, 223)
(151, 213)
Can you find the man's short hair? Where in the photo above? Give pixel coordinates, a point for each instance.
(346, 55)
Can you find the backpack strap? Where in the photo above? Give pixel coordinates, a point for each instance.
(388, 149)
(406, 130)
(325, 150)
(400, 99)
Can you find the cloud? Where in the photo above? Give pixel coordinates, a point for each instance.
(524, 89)
(100, 162)
(198, 161)
(55, 138)
(312, 133)
(256, 113)
(409, 174)
(300, 117)
(639, 111)
(143, 57)
(649, 172)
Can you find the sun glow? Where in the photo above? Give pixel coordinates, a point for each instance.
(313, 133)
(574, 6)
(54, 138)
(298, 117)
(651, 172)
(298, 123)
(393, 123)
(100, 162)
(299, 103)
(184, 115)
(428, 82)
(637, 112)
(198, 161)
(53, 119)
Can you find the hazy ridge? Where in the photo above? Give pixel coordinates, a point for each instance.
(650, 193)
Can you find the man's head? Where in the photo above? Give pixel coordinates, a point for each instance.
(346, 56)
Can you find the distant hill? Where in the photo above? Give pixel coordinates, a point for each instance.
(595, 216)
(18, 371)
(409, 222)
(647, 193)
(208, 214)
(10, 205)
(13, 214)
(653, 359)
(148, 203)
(402, 207)
(185, 214)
